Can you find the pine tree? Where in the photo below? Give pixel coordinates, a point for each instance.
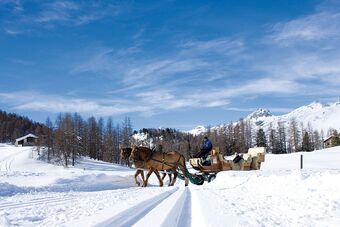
(109, 142)
(281, 143)
(317, 143)
(49, 138)
(92, 137)
(306, 142)
(273, 141)
(294, 135)
(261, 140)
(127, 132)
(100, 138)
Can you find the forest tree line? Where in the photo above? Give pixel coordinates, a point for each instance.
(13, 126)
(240, 136)
(71, 137)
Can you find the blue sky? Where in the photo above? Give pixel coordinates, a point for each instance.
(167, 63)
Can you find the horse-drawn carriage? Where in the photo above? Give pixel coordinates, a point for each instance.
(145, 159)
(248, 161)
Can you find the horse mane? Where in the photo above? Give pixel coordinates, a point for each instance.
(143, 153)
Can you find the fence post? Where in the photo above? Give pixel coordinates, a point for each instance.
(301, 161)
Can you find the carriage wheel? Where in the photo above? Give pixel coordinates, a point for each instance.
(211, 177)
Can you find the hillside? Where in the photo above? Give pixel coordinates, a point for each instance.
(320, 116)
(95, 193)
(13, 126)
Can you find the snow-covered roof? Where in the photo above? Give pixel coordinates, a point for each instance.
(29, 135)
(329, 137)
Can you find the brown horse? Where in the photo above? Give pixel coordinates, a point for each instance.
(172, 161)
(125, 154)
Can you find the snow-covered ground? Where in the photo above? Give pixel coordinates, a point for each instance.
(34, 193)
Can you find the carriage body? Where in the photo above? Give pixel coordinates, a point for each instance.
(250, 161)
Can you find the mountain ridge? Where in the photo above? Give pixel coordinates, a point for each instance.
(317, 115)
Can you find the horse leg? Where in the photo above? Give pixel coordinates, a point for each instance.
(147, 177)
(170, 178)
(142, 174)
(164, 174)
(159, 178)
(174, 179)
(138, 171)
(186, 180)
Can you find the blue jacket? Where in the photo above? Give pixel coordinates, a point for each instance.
(207, 145)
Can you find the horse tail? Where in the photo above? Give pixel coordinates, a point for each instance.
(193, 178)
(184, 169)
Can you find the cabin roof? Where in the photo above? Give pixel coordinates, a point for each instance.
(29, 135)
(329, 137)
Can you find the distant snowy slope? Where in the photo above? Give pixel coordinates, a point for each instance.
(320, 116)
(198, 130)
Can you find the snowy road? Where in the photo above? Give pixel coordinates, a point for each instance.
(33, 193)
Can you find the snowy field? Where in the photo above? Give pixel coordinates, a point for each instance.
(34, 193)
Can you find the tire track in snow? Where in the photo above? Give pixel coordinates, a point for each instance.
(135, 213)
(7, 161)
(186, 213)
(32, 203)
(4, 161)
(9, 164)
(173, 211)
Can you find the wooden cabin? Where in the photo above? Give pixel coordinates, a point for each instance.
(328, 141)
(28, 140)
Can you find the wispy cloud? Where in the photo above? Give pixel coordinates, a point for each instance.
(303, 65)
(186, 60)
(279, 76)
(56, 13)
(16, 6)
(253, 87)
(221, 46)
(23, 62)
(315, 27)
(74, 12)
(35, 101)
(305, 50)
(13, 31)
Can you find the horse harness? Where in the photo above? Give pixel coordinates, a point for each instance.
(170, 164)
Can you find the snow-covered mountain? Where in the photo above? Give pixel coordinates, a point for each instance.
(320, 116)
(198, 130)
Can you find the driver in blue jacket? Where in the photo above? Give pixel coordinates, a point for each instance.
(205, 149)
